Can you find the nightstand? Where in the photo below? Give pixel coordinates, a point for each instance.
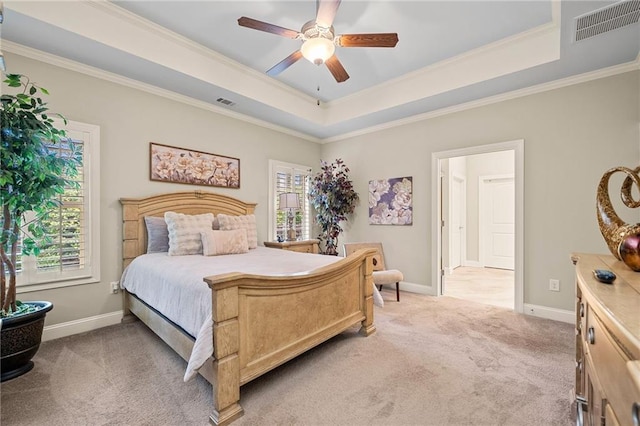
(305, 246)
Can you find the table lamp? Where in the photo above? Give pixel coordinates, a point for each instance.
(289, 201)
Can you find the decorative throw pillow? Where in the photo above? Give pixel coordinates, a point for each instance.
(247, 222)
(184, 232)
(215, 243)
(157, 234)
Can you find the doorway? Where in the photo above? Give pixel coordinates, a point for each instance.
(478, 223)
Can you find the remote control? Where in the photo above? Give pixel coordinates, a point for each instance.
(604, 276)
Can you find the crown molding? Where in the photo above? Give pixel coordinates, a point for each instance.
(38, 55)
(48, 58)
(540, 88)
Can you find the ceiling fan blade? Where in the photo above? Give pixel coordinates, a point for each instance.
(326, 12)
(285, 63)
(269, 28)
(336, 69)
(368, 40)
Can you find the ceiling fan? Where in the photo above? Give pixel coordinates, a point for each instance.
(320, 41)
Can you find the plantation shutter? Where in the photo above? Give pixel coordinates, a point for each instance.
(66, 223)
(292, 179)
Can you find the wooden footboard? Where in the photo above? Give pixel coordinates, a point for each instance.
(259, 322)
(262, 322)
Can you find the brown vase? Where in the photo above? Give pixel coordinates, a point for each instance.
(622, 239)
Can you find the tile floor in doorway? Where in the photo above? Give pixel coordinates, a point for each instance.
(484, 285)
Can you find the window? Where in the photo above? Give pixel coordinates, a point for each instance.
(73, 256)
(286, 177)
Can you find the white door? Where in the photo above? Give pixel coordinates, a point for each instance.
(457, 222)
(498, 222)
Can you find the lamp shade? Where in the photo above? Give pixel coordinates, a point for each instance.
(288, 201)
(317, 50)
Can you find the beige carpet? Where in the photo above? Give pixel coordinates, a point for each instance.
(433, 361)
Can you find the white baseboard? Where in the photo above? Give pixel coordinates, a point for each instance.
(81, 325)
(415, 288)
(550, 313)
(473, 263)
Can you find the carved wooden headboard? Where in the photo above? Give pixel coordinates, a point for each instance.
(134, 232)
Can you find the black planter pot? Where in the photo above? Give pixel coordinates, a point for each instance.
(20, 339)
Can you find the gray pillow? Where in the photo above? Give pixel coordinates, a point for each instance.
(157, 234)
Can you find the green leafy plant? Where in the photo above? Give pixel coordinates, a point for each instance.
(34, 173)
(332, 195)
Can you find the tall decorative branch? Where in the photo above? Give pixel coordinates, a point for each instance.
(333, 198)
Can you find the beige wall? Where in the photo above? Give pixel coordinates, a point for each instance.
(129, 119)
(572, 135)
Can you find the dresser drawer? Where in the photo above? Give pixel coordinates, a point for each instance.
(617, 385)
(301, 249)
(304, 246)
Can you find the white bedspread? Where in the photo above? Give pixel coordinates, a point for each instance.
(174, 286)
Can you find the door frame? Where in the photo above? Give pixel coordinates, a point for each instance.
(463, 241)
(517, 146)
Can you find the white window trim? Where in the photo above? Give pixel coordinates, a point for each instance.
(273, 164)
(91, 169)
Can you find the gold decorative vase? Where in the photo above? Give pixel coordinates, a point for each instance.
(623, 239)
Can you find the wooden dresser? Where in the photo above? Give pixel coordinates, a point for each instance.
(607, 387)
(304, 246)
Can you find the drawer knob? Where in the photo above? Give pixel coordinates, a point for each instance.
(635, 414)
(582, 310)
(591, 335)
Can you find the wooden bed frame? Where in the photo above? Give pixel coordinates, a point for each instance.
(260, 322)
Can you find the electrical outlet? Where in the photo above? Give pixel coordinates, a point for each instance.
(554, 285)
(115, 287)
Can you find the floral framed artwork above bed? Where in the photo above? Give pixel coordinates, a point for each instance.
(391, 201)
(180, 165)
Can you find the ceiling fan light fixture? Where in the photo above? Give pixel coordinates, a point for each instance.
(317, 50)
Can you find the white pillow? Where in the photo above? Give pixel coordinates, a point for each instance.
(215, 243)
(248, 222)
(184, 232)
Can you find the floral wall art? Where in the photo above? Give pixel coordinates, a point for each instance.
(390, 201)
(178, 165)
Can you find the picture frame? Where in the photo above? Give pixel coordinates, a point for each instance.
(391, 201)
(181, 165)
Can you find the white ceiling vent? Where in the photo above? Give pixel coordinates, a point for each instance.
(617, 15)
(227, 102)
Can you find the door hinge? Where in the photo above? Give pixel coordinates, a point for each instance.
(442, 223)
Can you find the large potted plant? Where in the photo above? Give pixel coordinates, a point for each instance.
(332, 195)
(34, 173)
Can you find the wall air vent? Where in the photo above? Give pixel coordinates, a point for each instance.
(617, 15)
(227, 102)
